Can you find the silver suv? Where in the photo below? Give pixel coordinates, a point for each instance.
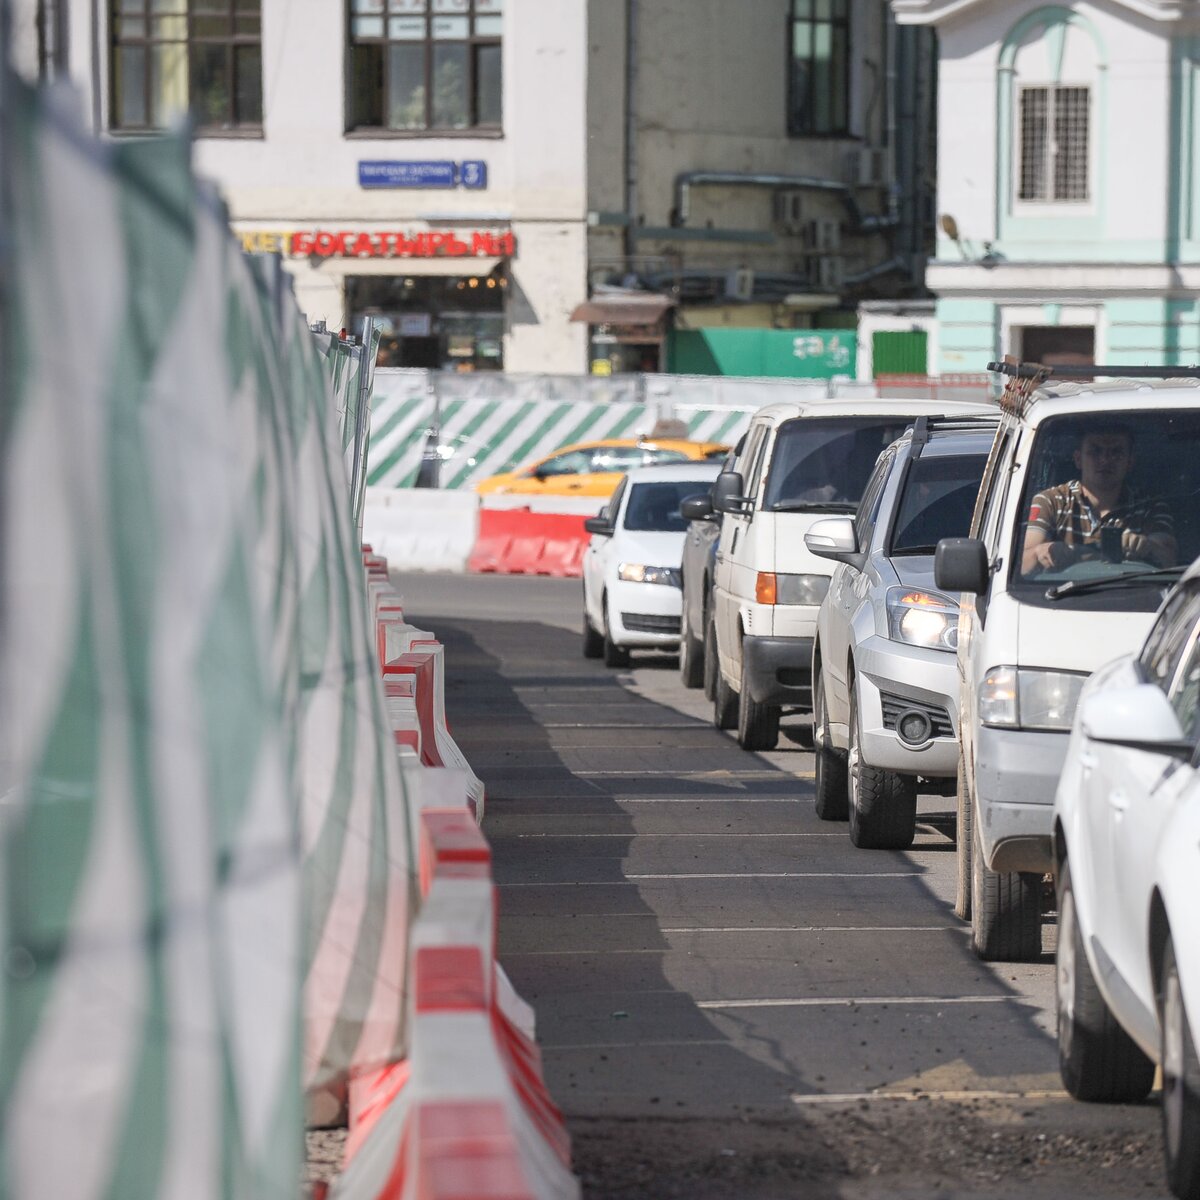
(885, 681)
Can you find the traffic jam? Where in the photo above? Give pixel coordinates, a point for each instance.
(992, 601)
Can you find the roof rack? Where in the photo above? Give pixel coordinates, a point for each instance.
(1041, 371)
(923, 427)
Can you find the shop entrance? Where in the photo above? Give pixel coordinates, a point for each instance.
(1057, 345)
(440, 322)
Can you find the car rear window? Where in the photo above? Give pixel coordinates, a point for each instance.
(654, 507)
(937, 502)
(823, 463)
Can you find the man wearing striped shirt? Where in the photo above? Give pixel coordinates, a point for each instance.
(1096, 516)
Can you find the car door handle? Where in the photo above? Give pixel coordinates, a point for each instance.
(1119, 801)
(1087, 760)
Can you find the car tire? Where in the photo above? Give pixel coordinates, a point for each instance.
(710, 658)
(725, 699)
(829, 783)
(614, 655)
(1180, 1083)
(1097, 1059)
(964, 842)
(757, 724)
(593, 642)
(1006, 909)
(883, 804)
(691, 652)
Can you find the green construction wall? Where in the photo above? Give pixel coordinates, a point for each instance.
(778, 353)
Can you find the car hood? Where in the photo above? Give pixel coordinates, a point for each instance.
(649, 549)
(1076, 640)
(915, 571)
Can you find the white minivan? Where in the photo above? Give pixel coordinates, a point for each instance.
(801, 461)
(1088, 512)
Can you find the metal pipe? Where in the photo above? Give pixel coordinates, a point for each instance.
(631, 127)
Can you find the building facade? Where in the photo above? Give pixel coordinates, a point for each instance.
(543, 185)
(1068, 180)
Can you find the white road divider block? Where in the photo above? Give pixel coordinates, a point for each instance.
(421, 529)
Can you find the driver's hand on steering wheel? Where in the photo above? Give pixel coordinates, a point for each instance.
(1053, 554)
(1136, 545)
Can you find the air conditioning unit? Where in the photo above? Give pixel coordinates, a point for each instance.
(829, 273)
(789, 210)
(823, 235)
(739, 284)
(867, 167)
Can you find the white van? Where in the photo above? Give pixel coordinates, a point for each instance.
(800, 462)
(1088, 512)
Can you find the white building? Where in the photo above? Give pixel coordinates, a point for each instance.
(1067, 180)
(472, 172)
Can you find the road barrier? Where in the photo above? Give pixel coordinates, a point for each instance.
(466, 1115)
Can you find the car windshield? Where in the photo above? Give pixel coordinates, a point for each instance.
(654, 507)
(1111, 505)
(823, 463)
(937, 501)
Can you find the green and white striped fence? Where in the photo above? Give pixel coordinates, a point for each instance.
(207, 881)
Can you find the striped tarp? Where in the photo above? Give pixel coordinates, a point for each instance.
(481, 437)
(201, 820)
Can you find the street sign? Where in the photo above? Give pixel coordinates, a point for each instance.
(473, 174)
(393, 174)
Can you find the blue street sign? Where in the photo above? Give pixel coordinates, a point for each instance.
(386, 174)
(473, 174)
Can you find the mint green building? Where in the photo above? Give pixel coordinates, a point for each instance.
(1068, 189)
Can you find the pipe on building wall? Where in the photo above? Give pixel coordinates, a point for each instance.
(631, 127)
(862, 222)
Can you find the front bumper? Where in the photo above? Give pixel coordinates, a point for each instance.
(779, 669)
(1016, 776)
(926, 680)
(644, 614)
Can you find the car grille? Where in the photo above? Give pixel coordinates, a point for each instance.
(649, 623)
(893, 706)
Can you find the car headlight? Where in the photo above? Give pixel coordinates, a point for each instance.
(1027, 699)
(771, 588)
(638, 573)
(922, 618)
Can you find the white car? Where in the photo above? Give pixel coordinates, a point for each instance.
(631, 569)
(1126, 845)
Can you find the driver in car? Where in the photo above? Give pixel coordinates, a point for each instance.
(1096, 516)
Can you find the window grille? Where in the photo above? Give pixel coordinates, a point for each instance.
(1054, 132)
(419, 65)
(175, 56)
(819, 67)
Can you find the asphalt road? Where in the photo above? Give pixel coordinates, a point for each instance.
(732, 1000)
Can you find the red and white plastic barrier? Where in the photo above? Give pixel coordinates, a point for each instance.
(467, 1115)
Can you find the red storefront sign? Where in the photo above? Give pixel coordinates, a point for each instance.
(326, 243)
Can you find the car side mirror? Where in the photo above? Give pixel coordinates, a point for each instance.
(600, 526)
(961, 565)
(833, 537)
(696, 508)
(1140, 717)
(540, 474)
(727, 494)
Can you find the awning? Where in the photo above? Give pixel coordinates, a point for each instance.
(645, 308)
(441, 264)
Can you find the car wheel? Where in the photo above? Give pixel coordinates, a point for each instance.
(593, 642)
(725, 701)
(964, 841)
(883, 805)
(1097, 1059)
(757, 724)
(691, 652)
(614, 655)
(710, 658)
(1180, 1083)
(1006, 909)
(829, 786)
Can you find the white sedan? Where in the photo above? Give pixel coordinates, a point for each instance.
(631, 570)
(1127, 853)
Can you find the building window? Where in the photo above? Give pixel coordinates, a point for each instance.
(418, 65)
(819, 67)
(202, 57)
(1054, 127)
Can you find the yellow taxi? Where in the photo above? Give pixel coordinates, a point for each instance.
(595, 468)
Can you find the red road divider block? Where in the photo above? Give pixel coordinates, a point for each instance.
(421, 667)
(449, 836)
(370, 1093)
(516, 541)
(467, 1151)
(449, 979)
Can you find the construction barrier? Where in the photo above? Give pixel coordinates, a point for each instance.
(466, 1115)
(422, 529)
